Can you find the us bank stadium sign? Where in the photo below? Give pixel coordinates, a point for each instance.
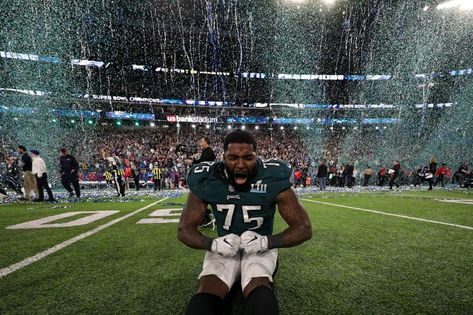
(193, 119)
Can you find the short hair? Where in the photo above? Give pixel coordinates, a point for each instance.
(206, 139)
(22, 147)
(63, 150)
(239, 136)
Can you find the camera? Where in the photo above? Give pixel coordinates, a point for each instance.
(187, 149)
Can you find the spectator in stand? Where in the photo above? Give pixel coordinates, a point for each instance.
(322, 175)
(39, 170)
(432, 170)
(69, 173)
(127, 173)
(29, 179)
(135, 173)
(304, 171)
(381, 176)
(350, 179)
(462, 173)
(441, 173)
(394, 174)
(341, 175)
(297, 178)
(367, 175)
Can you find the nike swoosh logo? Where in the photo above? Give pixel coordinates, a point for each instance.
(225, 240)
(254, 238)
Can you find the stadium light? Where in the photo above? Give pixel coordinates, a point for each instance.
(152, 124)
(331, 128)
(87, 63)
(466, 5)
(329, 2)
(256, 127)
(460, 4)
(207, 126)
(193, 126)
(282, 127)
(355, 127)
(307, 127)
(118, 123)
(73, 121)
(295, 127)
(344, 128)
(15, 118)
(377, 127)
(426, 8)
(243, 127)
(229, 127)
(54, 120)
(137, 123)
(385, 127)
(90, 121)
(178, 125)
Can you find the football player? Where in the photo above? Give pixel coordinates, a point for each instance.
(243, 192)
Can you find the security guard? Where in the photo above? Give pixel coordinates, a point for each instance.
(157, 176)
(118, 174)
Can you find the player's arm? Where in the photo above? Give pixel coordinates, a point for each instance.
(299, 229)
(191, 217)
(296, 217)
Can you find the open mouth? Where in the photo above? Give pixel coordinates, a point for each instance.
(240, 177)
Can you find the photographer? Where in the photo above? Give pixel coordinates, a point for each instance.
(12, 177)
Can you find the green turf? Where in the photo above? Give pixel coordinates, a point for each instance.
(356, 262)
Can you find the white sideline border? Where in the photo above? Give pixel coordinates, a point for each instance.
(28, 261)
(391, 214)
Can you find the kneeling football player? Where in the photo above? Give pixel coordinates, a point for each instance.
(243, 192)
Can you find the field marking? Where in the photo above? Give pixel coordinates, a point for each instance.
(28, 261)
(462, 201)
(391, 214)
(434, 197)
(170, 212)
(43, 222)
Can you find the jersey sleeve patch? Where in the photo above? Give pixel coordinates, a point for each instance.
(197, 179)
(280, 173)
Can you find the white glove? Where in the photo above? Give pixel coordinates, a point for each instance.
(251, 242)
(227, 245)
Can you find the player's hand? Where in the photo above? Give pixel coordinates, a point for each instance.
(251, 242)
(227, 245)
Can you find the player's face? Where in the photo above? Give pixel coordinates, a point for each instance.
(240, 162)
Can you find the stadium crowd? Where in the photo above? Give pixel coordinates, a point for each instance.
(160, 158)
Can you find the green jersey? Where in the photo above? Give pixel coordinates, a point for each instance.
(240, 211)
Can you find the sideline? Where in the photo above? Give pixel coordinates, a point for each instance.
(391, 214)
(28, 261)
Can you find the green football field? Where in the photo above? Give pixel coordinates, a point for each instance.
(384, 253)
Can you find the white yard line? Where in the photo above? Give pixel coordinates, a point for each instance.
(12, 268)
(391, 214)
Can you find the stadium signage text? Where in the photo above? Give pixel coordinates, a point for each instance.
(193, 119)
